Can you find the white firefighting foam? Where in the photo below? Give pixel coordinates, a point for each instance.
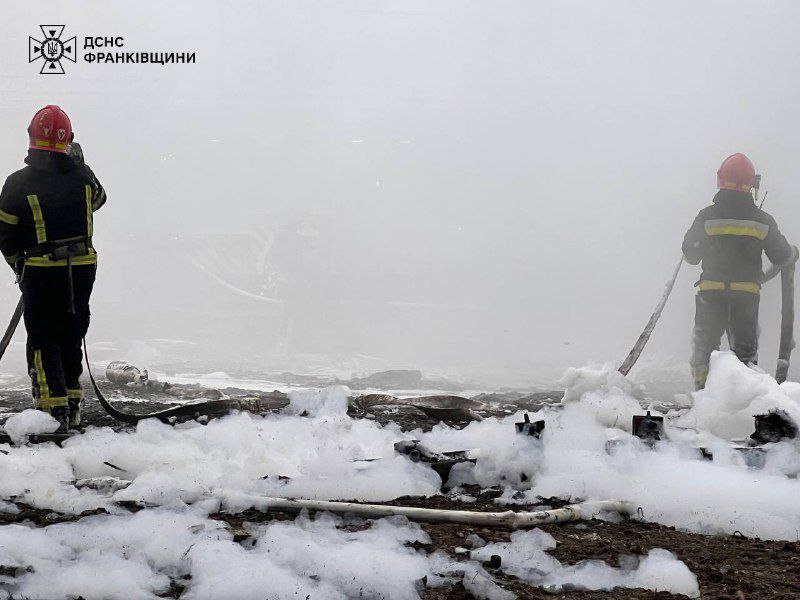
(734, 394)
(580, 458)
(136, 556)
(29, 422)
(525, 557)
(186, 471)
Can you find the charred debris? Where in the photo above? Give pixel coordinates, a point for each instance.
(202, 404)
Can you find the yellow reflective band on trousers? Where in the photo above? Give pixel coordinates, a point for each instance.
(53, 402)
(75, 394)
(735, 286)
(700, 375)
(44, 261)
(89, 224)
(45, 401)
(38, 219)
(8, 218)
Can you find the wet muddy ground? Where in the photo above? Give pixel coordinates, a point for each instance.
(730, 567)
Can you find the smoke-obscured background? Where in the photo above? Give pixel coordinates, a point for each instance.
(490, 190)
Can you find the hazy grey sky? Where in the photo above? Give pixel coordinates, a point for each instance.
(489, 188)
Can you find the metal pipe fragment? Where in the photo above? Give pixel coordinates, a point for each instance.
(509, 518)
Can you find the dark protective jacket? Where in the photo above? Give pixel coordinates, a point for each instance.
(49, 200)
(729, 237)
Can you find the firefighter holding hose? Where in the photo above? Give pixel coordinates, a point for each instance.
(46, 228)
(729, 237)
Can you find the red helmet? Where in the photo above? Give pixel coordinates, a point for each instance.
(50, 130)
(736, 173)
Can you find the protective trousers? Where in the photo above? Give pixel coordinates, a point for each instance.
(719, 311)
(55, 333)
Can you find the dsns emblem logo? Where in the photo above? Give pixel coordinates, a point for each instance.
(51, 49)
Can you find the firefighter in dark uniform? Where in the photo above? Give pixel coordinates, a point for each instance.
(729, 237)
(46, 236)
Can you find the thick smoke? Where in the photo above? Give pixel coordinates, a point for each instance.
(489, 191)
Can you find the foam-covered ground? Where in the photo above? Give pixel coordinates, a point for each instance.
(153, 531)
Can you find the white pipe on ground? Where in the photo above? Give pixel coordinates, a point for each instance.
(509, 518)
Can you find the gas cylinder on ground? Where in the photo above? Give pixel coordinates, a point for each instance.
(122, 373)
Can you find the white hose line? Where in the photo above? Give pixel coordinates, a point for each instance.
(509, 518)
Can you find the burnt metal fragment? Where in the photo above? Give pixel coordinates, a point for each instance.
(527, 427)
(647, 427)
(441, 462)
(442, 407)
(773, 426)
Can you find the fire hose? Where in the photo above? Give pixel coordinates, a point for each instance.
(210, 408)
(638, 347)
(508, 518)
(12, 326)
(787, 343)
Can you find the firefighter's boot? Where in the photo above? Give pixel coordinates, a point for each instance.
(74, 399)
(61, 414)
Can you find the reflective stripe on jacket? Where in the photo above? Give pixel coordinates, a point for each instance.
(51, 199)
(729, 237)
